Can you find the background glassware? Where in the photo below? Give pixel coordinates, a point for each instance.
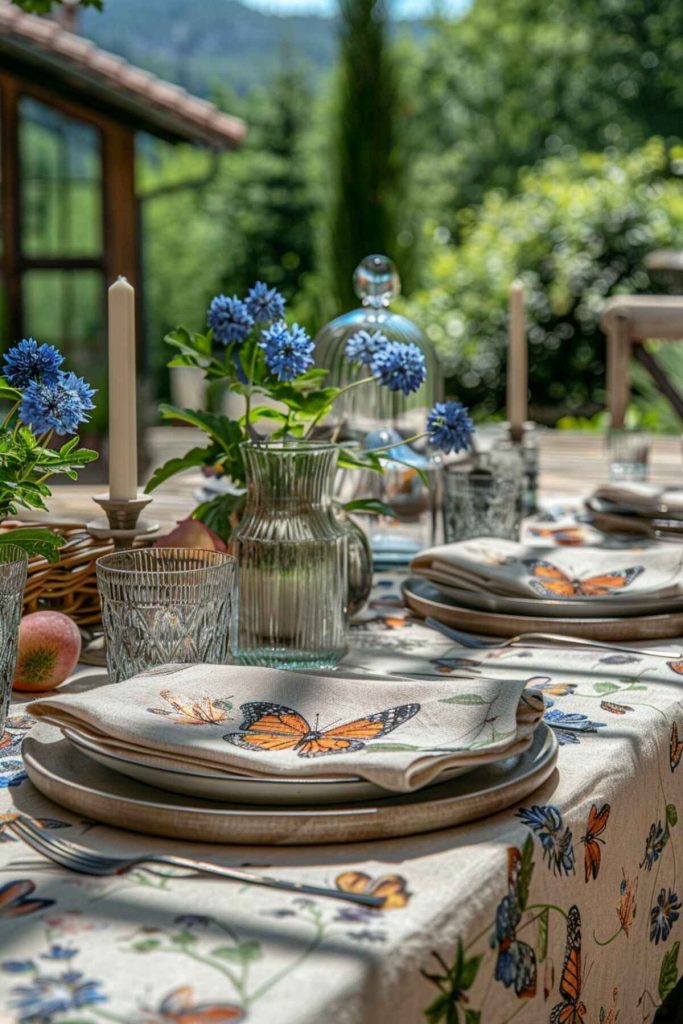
(483, 497)
(13, 570)
(165, 605)
(292, 556)
(629, 451)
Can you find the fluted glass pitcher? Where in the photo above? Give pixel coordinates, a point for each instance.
(292, 559)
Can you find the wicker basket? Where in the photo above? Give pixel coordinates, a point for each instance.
(69, 585)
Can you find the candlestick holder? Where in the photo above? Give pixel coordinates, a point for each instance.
(122, 524)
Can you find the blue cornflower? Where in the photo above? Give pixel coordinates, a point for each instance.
(546, 822)
(363, 346)
(17, 966)
(288, 351)
(229, 319)
(60, 406)
(57, 952)
(450, 427)
(400, 366)
(654, 845)
(663, 915)
(265, 304)
(30, 361)
(46, 997)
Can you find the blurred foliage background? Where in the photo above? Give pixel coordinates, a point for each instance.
(525, 138)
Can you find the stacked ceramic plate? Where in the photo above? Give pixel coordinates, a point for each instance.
(638, 508)
(597, 592)
(194, 770)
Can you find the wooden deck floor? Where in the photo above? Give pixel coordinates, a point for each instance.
(572, 463)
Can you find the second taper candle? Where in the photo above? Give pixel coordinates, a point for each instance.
(123, 443)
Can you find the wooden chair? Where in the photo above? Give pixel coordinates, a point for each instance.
(629, 321)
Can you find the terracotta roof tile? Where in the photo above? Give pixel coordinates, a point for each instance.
(157, 105)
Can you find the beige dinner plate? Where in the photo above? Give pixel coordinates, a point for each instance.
(64, 775)
(242, 789)
(543, 607)
(424, 599)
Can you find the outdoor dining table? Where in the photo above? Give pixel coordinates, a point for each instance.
(564, 909)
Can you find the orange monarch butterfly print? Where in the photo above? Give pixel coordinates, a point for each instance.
(269, 726)
(185, 711)
(571, 1010)
(393, 889)
(676, 666)
(615, 709)
(179, 1007)
(566, 536)
(550, 581)
(597, 823)
(16, 899)
(675, 748)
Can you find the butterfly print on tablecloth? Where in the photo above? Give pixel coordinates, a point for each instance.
(273, 727)
(571, 1010)
(597, 823)
(516, 961)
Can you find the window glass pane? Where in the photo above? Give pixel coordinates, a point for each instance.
(61, 183)
(66, 309)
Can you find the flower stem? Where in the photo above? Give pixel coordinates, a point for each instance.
(606, 942)
(252, 370)
(323, 412)
(395, 444)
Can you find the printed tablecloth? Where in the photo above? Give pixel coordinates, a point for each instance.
(566, 909)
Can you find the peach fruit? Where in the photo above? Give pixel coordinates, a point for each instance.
(49, 649)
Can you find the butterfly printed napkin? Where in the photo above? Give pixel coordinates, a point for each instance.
(398, 733)
(510, 569)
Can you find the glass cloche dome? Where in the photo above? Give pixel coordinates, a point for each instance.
(376, 282)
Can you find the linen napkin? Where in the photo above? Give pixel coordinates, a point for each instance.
(398, 733)
(507, 568)
(643, 499)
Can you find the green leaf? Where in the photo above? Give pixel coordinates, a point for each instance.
(542, 947)
(184, 938)
(606, 687)
(264, 412)
(359, 460)
(468, 971)
(8, 393)
(442, 1009)
(464, 698)
(525, 872)
(145, 945)
(373, 506)
(389, 747)
(35, 541)
(195, 457)
(668, 973)
(472, 1016)
(671, 815)
(244, 952)
(217, 513)
(224, 431)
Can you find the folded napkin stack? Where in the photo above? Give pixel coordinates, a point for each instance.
(508, 569)
(398, 733)
(643, 499)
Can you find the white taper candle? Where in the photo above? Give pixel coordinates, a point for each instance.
(517, 363)
(123, 445)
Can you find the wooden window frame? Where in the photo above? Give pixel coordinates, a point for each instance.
(120, 245)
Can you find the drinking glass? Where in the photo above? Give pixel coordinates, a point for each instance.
(164, 605)
(13, 569)
(629, 451)
(484, 496)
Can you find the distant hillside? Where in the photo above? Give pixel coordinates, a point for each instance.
(202, 42)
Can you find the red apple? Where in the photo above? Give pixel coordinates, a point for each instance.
(49, 649)
(191, 533)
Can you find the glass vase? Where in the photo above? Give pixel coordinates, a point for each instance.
(292, 557)
(13, 569)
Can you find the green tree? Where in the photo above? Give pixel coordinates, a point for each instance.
(515, 81)
(366, 159)
(577, 233)
(45, 6)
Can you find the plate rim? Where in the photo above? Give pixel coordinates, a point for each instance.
(548, 748)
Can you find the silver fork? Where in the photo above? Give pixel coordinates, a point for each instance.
(88, 862)
(523, 639)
